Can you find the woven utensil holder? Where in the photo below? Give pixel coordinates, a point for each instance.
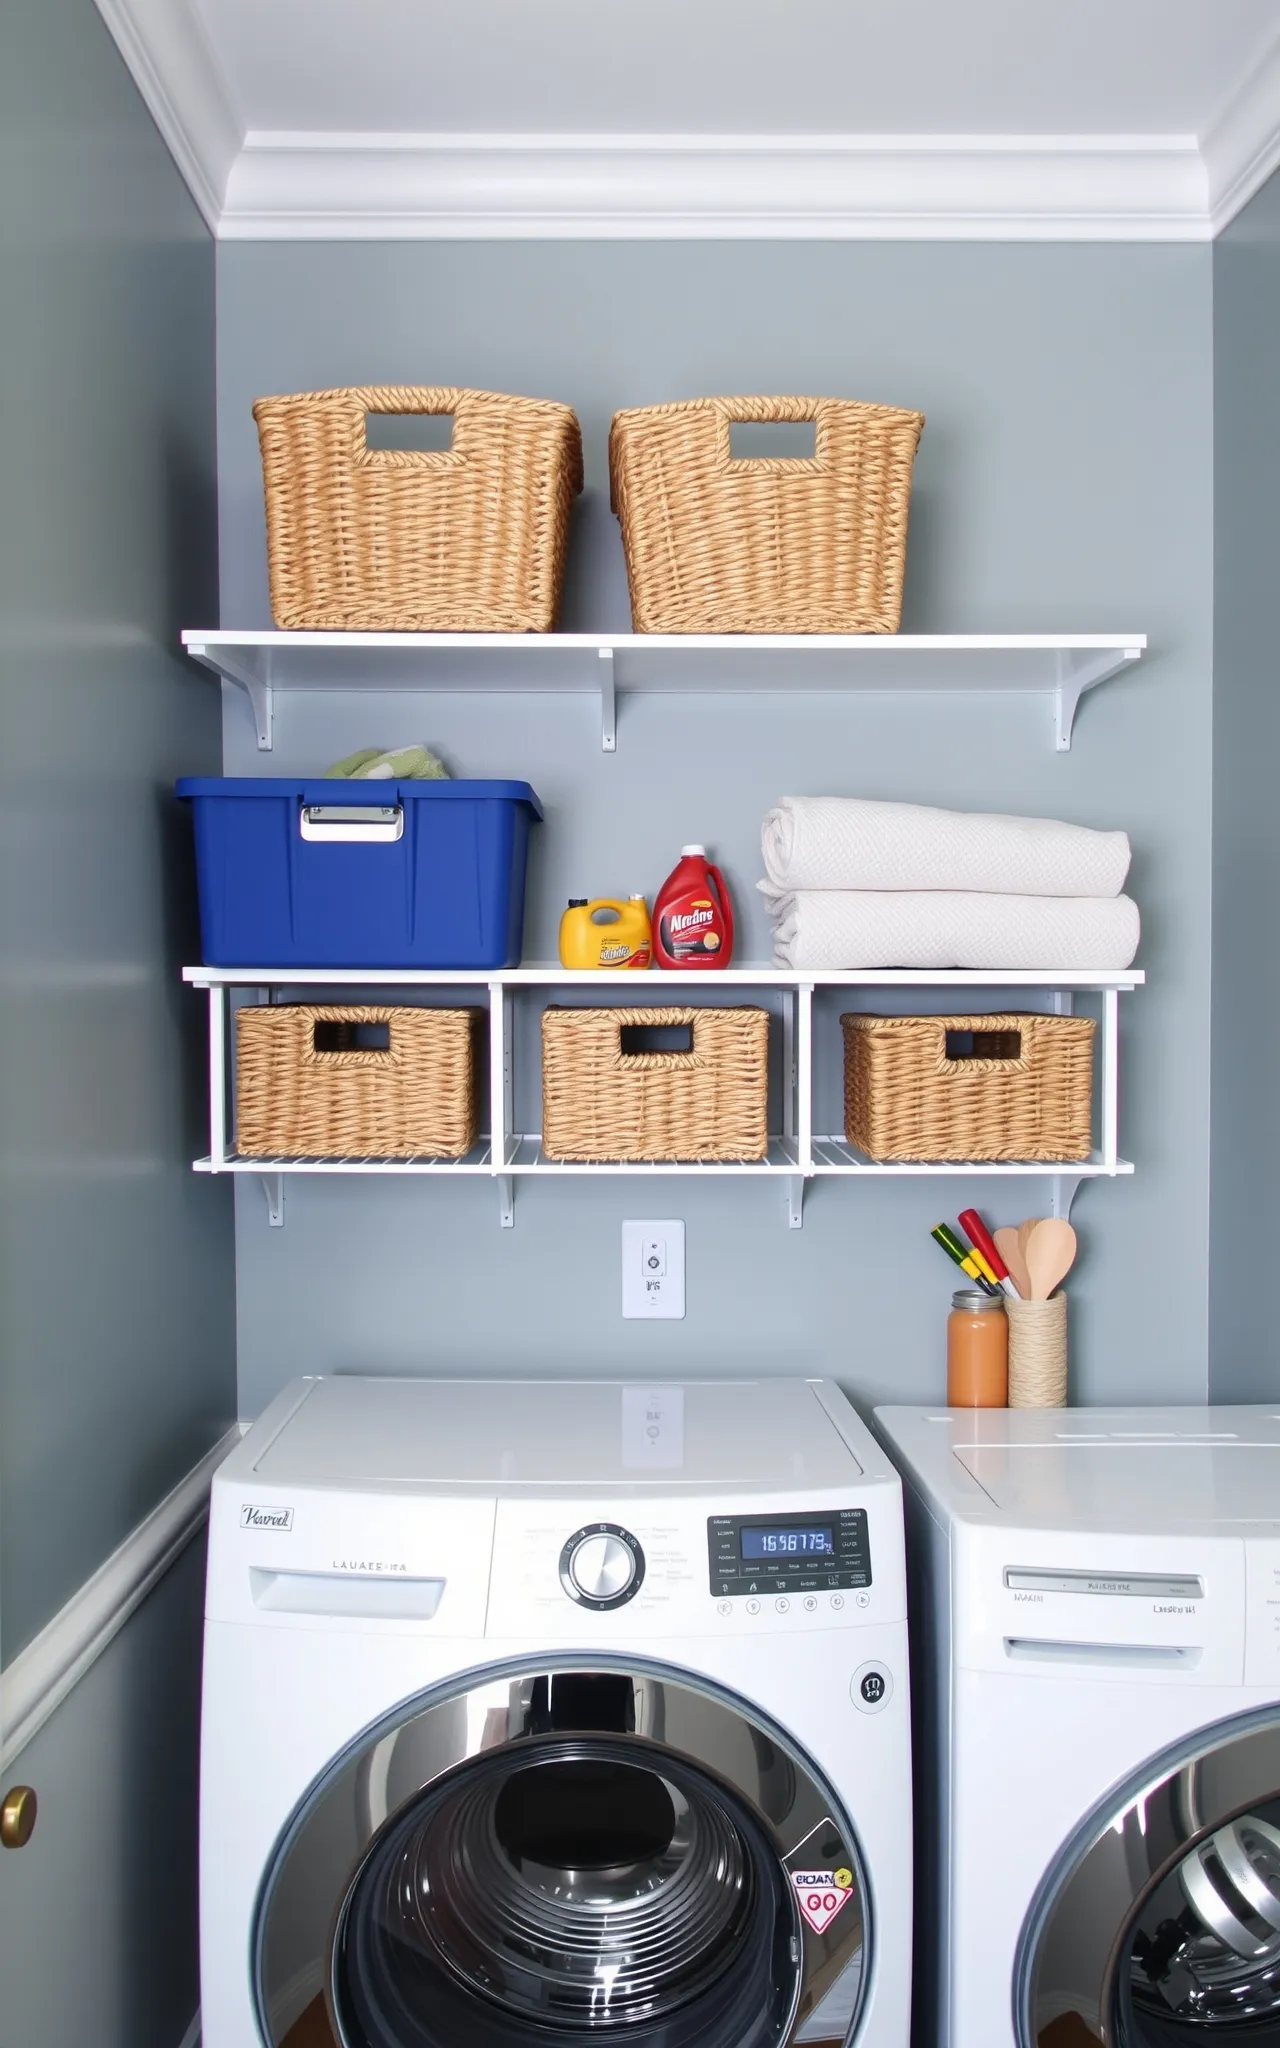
(814, 544)
(1038, 1352)
(470, 539)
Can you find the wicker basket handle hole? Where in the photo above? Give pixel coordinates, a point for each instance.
(337, 1035)
(640, 1040)
(411, 433)
(984, 1045)
(773, 440)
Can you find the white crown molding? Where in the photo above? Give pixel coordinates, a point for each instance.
(341, 187)
(1241, 147)
(267, 186)
(174, 68)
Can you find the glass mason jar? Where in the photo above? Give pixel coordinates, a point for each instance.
(977, 1350)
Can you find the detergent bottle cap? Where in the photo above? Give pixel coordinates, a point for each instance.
(686, 850)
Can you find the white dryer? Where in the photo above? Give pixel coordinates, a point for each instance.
(1096, 1628)
(561, 1714)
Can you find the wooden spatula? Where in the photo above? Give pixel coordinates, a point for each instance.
(1011, 1252)
(1050, 1255)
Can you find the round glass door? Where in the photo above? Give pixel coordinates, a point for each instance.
(1160, 1926)
(572, 1858)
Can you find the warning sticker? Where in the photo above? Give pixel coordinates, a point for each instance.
(821, 1894)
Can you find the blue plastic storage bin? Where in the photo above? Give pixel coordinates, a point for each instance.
(360, 874)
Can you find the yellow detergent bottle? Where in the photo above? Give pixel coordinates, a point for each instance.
(606, 933)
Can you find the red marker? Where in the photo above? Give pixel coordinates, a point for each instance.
(978, 1235)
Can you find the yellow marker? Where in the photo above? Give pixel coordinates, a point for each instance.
(983, 1265)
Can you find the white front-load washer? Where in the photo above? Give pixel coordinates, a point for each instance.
(1096, 1633)
(546, 1715)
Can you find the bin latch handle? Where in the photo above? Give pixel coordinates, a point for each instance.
(353, 824)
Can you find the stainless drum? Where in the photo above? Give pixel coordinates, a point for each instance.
(1159, 1925)
(569, 1856)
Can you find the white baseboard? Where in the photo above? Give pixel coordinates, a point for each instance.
(41, 1676)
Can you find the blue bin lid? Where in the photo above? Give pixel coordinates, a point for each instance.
(323, 789)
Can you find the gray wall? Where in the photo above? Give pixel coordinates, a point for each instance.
(117, 1285)
(116, 1295)
(1064, 481)
(1246, 842)
(98, 1912)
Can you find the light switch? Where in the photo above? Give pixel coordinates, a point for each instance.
(653, 1271)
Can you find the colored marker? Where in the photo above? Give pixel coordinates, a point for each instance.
(956, 1251)
(986, 1250)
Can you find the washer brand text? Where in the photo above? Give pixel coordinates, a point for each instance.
(254, 1517)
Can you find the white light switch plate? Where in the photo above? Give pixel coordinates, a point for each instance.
(653, 1271)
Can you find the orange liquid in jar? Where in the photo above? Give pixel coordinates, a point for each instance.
(977, 1352)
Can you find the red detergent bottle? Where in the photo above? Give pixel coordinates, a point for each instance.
(692, 915)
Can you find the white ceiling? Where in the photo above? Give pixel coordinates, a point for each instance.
(1047, 118)
(789, 67)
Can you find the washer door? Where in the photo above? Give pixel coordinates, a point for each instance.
(1159, 1926)
(565, 1857)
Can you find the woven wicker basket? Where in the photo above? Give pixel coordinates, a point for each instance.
(600, 1101)
(467, 540)
(1018, 1086)
(300, 1099)
(814, 544)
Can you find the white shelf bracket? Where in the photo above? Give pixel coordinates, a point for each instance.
(252, 671)
(1063, 1190)
(795, 1200)
(273, 1189)
(506, 1201)
(1081, 669)
(608, 703)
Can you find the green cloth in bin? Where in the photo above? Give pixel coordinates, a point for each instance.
(401, 764)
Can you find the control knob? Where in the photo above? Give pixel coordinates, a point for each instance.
(602, 1566)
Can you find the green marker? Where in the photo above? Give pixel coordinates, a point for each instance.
(953, 1248)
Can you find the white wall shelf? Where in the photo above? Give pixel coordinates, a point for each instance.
(1060, 667)
(795, 1154)
(549, 974)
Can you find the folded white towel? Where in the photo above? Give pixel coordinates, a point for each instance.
(833, 842)
(950, 928)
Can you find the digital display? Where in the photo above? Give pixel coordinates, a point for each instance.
(762, 1543)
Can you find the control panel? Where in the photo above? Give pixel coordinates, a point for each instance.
(809, 1553)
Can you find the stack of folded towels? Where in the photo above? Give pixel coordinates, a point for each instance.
(852, 883)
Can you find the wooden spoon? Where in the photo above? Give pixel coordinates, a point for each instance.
(1011, 1252)
(1050, 1255)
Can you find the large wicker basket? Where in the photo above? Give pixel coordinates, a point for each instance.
(468, 540)
(811, 544)
(602, 1101)
(1018, 1086)
(306, 1088)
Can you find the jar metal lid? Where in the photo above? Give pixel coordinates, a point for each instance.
(971, 1298)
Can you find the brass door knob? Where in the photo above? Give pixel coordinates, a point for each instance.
(17, 1817)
